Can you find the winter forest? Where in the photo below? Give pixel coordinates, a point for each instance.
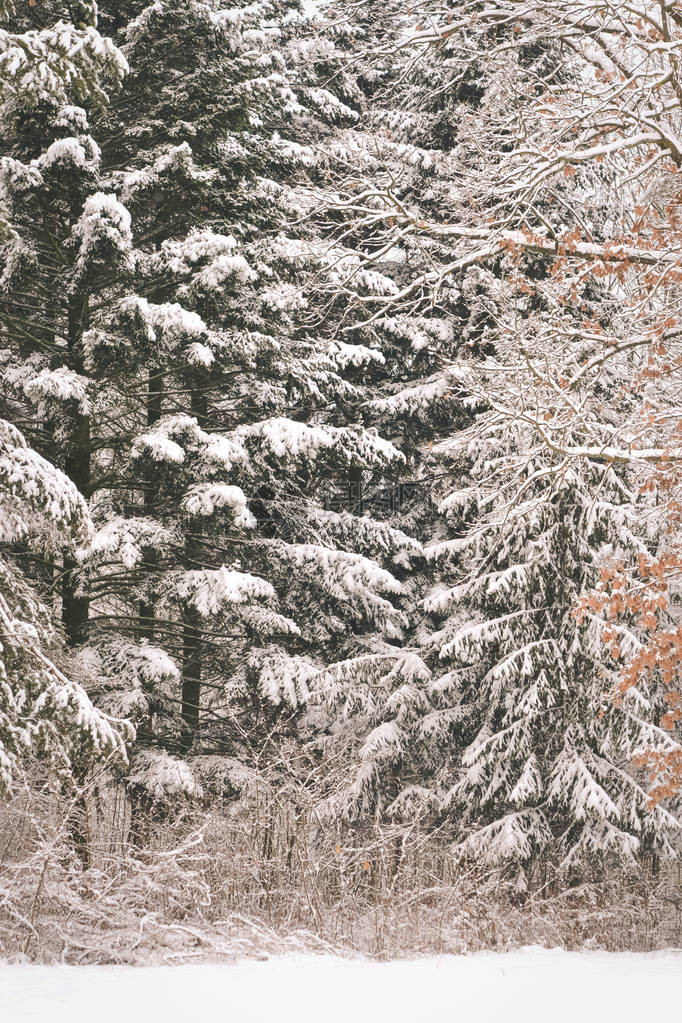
(340, 477)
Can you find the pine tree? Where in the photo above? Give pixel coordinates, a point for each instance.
(539, 772)
(389, 172)
(44, 713)
(53, 53)
(46, 64)
(494, 312)
(195, 384)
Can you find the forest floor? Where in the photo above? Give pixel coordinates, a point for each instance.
(529, 985)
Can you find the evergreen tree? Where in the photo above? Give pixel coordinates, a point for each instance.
(539, 772)
(195, 385)
(273, 283)
(469, 744)
(390, 172)
(44, 713)
(46, 63)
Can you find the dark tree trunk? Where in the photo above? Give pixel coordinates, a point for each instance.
(75, 608)
(191, 674)
(147, 608)
(191, 619)
(355, 494)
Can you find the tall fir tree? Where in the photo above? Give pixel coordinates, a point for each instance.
(448, 743)
(184, 389)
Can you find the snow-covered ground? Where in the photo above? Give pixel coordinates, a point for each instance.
(529, 985)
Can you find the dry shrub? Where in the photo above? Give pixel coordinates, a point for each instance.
(268, 875)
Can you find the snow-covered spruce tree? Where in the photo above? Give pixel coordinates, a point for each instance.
(63, 237)
(624, 168)
(48, 63)
(217, 582)
(403, 154)
(507, 303)
(535, 764)
(44, 714)
(52, 51)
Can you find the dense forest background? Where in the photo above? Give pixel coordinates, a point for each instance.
(340, 490)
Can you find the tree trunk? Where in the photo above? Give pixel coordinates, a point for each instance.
(355, 494)
(191, 674)
(191, 619)
(75, 608)
(147, 608)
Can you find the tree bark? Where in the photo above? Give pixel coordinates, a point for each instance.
(147, 608)
(76, 607)
(191, 674)
(191, 619)
(355, 493)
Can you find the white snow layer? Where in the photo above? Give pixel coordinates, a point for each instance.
(528, 986)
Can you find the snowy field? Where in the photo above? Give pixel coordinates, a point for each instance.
(529, 985)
